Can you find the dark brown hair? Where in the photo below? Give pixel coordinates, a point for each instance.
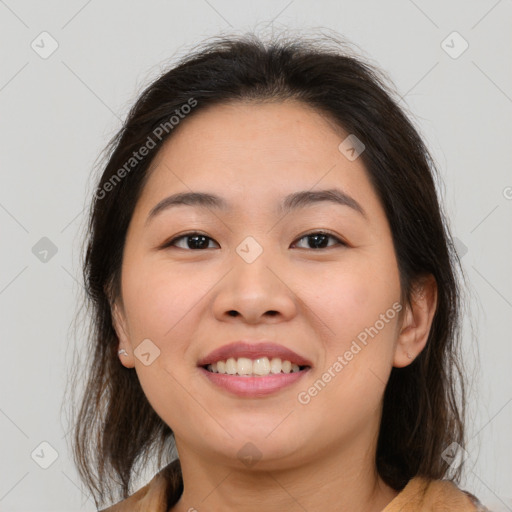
(423, 409)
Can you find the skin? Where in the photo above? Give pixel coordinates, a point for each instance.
(312, 300)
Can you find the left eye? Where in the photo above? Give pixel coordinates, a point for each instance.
(318, 238)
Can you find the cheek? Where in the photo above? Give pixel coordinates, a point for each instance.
(160, 304)
(349, 300)
(358, 305)
(351, 378)
(157, 300)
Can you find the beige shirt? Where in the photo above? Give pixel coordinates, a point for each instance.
(419, 495)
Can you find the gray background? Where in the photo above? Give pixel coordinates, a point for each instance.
(57, 113)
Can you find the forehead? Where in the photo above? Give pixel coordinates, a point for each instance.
(284, 130)
(249, 152)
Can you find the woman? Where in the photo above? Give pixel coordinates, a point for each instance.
(274, 293)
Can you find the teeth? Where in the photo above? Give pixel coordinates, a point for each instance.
(244, 366)
(254, 368)
(261, 366)
(231, 366)
(275, 365)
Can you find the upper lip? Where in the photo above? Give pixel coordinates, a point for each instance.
(268, 349)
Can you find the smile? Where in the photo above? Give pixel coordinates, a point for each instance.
(249, 383)
(260, 367)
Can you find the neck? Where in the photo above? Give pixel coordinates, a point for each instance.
(339, 479)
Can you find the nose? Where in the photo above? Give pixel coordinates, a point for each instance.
(256, 292)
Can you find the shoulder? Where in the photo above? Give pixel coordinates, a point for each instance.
(434, 496)
(163, 491)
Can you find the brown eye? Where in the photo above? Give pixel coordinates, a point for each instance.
(319, 240)
(193, 241)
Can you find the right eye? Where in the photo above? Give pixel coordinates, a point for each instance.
(196, 241)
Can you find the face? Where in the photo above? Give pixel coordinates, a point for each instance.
(319, 278)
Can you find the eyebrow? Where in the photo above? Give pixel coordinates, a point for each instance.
(290, 202)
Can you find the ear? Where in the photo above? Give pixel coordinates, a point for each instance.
(120, 326)
(416, 321)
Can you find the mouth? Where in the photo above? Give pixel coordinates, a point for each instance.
(253, 359)
(252, 385)
(253, 370)
(260, 367)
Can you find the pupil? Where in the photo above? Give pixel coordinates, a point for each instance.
(316, 242)
(195, 245)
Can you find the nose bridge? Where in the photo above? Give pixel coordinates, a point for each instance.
(253, 287)
(251, 261)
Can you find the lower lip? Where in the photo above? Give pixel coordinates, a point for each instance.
(253, 386)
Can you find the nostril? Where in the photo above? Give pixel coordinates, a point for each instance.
(232, 313)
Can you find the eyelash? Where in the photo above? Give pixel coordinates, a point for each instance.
(312, 233)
